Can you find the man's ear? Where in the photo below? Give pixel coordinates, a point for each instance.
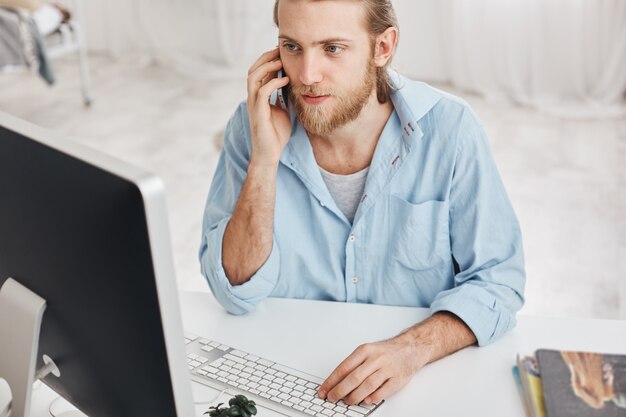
(385, 46)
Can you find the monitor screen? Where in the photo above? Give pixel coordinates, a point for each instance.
(76, 228)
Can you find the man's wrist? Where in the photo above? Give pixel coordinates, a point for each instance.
(262, 167)
(440, 335)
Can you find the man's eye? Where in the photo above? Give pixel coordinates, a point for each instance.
(333, 49)
(290, 47)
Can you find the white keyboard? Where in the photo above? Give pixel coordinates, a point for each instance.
(269, 384)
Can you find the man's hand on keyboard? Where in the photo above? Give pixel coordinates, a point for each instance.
(374, 371)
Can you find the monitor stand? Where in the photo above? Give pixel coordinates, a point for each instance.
(21, 311)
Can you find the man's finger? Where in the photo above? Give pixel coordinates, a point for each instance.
(265, 91)
(255, 80)
(265, 57)
(349, 364)
(385, 391)
(370, 385)
(351, 382)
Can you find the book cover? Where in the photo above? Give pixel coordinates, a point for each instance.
(532, 386)
(577, 384)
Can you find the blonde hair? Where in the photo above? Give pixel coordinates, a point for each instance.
(379, 15)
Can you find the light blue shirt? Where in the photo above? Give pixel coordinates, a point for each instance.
(434, 227)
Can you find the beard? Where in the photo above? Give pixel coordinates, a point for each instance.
(321, 121)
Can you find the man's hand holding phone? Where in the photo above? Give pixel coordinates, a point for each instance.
(270, 125)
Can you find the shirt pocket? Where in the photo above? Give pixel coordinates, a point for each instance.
(419, 233)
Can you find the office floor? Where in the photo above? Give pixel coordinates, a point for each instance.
(566, 178)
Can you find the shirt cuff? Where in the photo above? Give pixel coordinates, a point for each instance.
(481, 311)
(237, 299)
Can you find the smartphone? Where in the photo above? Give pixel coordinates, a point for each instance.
(282, 93)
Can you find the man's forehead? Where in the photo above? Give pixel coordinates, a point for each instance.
(314, 21)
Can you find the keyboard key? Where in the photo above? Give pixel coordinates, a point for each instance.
(260, 367)
(311, 392)
(352, 413)
(285, 390)
(244, 374)
(259, 374)
(311, 412)
(203, 341)
(279, 381)
(300, 381)
(328, 405)
(255, 391)
(287, 403)
(312, 385)
(265, 395)
(254, 378)
(275, 385)
(207, 348)
(270, 371)
(306, 404)
(238, 366)
(223, 347)
(265, 362)
(358, 409)
(211, 369)
(316, 407)
(290, 378)
(299, 388)
(317, 401)
(248, 370)
(229, 362)
(328, 412)
(264, 382)
(273, 392)
(283, 396)
(234, 358)
(289, 384)
(214, 344)
(307, 397)
(263, 388)
(281, 374)
(238, 353)
(252, 358)
(297, 407)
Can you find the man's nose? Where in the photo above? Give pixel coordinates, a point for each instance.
(311, 72)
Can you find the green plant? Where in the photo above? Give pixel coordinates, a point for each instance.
(240, 406)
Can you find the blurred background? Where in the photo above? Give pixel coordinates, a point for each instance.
(153, 82)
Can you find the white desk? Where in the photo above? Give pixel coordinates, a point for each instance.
(315, 336)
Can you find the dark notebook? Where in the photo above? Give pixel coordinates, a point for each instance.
(583, 384)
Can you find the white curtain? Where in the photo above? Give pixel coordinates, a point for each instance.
(562, 56)
(207, 38)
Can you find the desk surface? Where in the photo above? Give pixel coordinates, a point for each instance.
(315, 336)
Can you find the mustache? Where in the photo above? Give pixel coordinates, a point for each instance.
(310, 90)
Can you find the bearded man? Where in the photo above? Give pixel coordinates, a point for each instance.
(368, 188)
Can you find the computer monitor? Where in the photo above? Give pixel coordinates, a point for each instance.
(89, 234)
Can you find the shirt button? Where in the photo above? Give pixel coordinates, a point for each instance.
(322, 203)
(352, 238)
(355, 280)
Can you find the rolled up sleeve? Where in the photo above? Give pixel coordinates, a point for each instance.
(485, 239)
(229, 176)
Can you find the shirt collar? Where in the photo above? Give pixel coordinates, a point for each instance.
(411, 100)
